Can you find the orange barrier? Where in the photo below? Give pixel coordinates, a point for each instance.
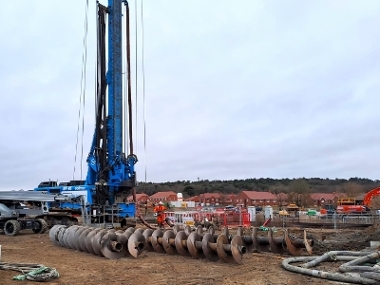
(234, 219)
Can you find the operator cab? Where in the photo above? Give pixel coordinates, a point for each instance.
(45, 184)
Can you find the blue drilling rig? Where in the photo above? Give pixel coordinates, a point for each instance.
(111, 176)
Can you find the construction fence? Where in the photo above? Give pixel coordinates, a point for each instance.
(337, 221)
(216, 218)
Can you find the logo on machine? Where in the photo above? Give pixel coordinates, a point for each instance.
(73, 188)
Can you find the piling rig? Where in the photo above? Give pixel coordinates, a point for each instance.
(111, 176)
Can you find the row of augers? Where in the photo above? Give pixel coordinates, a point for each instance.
(109, 243)
(114, 244)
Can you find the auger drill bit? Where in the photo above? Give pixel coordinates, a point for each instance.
(168, 242)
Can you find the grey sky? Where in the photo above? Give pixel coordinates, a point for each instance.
(234, 90)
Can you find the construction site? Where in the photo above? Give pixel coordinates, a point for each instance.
(93, 230)
(238, 252)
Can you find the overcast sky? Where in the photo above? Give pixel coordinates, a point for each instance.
(234, 89)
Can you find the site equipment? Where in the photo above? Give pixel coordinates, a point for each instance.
(350, 206)
(368, 198)
(111, 174)
(328, 209)
(292, 208)
(21, 210)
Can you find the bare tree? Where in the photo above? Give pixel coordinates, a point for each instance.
(375, 203)
(300, 190)
(308, 200)
(282, 199)
(352, 189)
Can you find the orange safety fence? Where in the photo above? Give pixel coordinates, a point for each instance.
(234, 219)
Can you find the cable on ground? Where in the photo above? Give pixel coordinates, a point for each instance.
(31, 271)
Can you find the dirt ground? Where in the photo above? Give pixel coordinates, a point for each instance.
(77, 267)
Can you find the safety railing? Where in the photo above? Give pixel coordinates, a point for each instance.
(220, 218)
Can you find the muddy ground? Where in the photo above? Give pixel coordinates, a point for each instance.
(82, 268)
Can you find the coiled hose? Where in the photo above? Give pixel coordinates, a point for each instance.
(31, 271)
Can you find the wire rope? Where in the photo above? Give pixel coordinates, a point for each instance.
(136, 70)
(143, 88)
(82, 96)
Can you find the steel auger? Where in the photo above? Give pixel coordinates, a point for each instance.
(197, 243)
(278, 245)
(110, 243)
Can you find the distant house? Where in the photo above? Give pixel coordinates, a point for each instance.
(195, 199)
(210, 199)
(140, 198)
(255, 198)
(321, 199)
(228, 199)
(163, 196)
(214, 199)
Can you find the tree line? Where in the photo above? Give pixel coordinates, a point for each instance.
(299, 186)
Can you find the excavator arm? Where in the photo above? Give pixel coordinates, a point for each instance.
(370, 195)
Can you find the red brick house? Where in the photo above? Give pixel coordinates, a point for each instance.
(255, 198)
(228, 199)
(321, 199)
(140, 198)
(195, 199)
(210, 199)
(163, 196)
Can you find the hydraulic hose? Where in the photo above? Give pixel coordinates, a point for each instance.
(353, 265)
(138, 214)
(334, 255)
(354, 257)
